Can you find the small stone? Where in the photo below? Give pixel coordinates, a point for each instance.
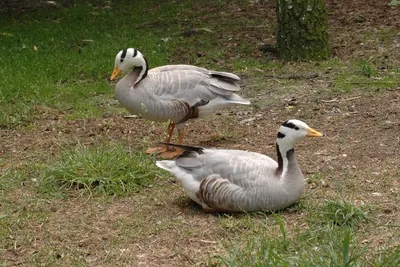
(359, 202)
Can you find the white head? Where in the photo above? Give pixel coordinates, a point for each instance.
(293, 130)
(126, 59)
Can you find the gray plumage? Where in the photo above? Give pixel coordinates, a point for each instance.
(174, 92)
(241, 181)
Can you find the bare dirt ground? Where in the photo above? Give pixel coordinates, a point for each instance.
(159, 226)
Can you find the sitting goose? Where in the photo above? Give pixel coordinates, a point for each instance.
(177, 93)
(240, 181)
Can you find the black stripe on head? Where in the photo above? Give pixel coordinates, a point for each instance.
(281, 135)
(123, 55)
(290, 125)
(134, 52)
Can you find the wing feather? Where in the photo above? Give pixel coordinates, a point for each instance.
(245, 169)
(191, 84)
(228, 180)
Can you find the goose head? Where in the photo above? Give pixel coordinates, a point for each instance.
(292, 131)
(129, 58)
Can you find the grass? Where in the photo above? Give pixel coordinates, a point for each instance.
(276, 252)
(365, 76)
(366, 68)
(73, 60)
(342, 213)
(49, 60)
(317, 246)
(328, 239)
(109, 169)
(102, 203)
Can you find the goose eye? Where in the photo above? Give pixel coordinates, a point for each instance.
(296, 128)
(121, 60)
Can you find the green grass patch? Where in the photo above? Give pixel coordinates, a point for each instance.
(342, 213)
(326, 235)
(366, 69)
(106, 169)
(322, 246)
(63, 57)
(364, 76)
(324, 242)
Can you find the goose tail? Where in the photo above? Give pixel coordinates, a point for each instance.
(236, 99)
(166, 164)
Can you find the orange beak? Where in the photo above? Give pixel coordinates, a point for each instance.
(115, 73)
(313, 133)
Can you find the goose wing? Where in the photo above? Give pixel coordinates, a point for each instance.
(192, 84)
(167, 68)
(242, 168)
(224, 180)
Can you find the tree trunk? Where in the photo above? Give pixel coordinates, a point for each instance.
(302, 30)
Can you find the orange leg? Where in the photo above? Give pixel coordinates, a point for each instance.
(177, 151)
(171, 128)
(181, 133)
(161, 149)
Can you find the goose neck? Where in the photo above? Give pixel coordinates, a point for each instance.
(285, 154)
(142, 69)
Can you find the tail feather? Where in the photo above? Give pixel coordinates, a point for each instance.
(188, 159)
(164, 164)
(227, 76)
(197, 149)
(236, 99)
(222, 87)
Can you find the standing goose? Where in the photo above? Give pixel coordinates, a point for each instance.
(175, 93)
(223, 180)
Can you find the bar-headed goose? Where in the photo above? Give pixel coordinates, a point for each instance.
(175, 93)
(240, 181)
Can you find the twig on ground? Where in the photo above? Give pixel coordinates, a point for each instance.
(330, 101)
(335, 100)
(131, 116)
(393, 89)
(203, 241)
(351, 98)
